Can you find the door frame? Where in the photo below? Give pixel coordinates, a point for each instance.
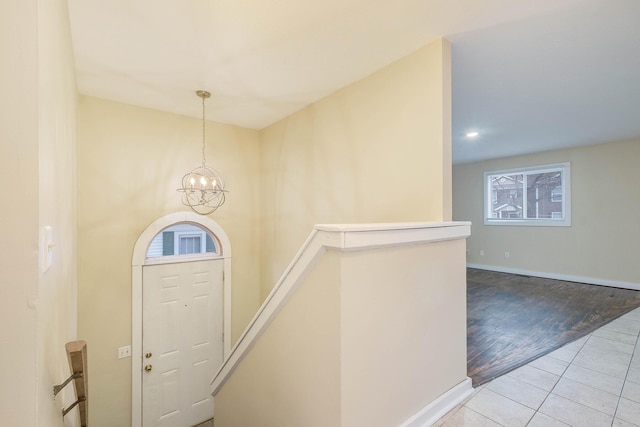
(139, 259)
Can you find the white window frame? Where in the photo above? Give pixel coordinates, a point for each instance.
(156, 246)
(178, 235)
(564, 168)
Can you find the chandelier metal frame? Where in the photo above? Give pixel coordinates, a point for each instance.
(203, 188)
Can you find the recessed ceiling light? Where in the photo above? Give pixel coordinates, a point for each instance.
(472, 134)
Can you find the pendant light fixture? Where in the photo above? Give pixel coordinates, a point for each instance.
(203, 188)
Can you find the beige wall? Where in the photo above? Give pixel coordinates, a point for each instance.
(369, 338)
(58, 288)
(130, 162)
(19, 222)
(604, 239)
(404, 328)
(37, 137)
(375, 151)
(291, 377)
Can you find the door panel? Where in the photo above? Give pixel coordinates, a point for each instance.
(182, 335)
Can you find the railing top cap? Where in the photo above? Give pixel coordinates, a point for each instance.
(388, 226)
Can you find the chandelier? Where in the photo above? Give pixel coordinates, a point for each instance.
(203, 188)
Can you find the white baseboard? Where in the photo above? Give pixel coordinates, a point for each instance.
(435, 410)
(566, 277)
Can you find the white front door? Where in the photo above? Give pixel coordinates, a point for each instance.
(181, 341)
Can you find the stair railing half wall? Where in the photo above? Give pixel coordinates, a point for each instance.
(343, 237)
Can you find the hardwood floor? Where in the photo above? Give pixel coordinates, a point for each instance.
(514, 319)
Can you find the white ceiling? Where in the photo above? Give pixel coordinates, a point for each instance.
(529, 75)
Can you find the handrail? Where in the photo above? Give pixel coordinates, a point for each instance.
(77, 357)
(338, 237)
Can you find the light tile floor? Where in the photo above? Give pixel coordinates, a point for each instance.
(591, 382)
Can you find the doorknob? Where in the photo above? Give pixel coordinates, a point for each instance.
(148, 368)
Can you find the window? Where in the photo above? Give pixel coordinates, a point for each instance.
(190, 244)
(182, 239)
(530, 196)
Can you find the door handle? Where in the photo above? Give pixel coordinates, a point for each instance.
(148, 368)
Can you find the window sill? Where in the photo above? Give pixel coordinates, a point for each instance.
(530, 222)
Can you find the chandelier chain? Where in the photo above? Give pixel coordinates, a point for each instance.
(204, 161)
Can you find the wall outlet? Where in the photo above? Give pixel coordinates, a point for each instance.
(506, 255)
(124, 352)
(481, 253)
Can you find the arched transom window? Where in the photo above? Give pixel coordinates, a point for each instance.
(183, 239)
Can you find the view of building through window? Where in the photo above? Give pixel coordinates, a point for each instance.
(182, 239)
(528, 194)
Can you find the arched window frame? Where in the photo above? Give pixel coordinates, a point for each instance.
(173, 258)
